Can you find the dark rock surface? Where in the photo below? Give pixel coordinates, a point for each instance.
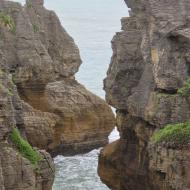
(150, 63)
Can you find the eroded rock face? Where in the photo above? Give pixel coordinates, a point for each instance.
(150, 63)
(125, 162)
(84, 119)
(40, 96)
(16, 172)
(43, 60)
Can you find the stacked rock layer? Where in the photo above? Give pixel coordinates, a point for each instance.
(150, 63)
(41, 98)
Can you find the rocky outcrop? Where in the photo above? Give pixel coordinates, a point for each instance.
(43, 59)
(16, 171)
(75, 120)
(85, 121)
(40, 98)
(149, 69)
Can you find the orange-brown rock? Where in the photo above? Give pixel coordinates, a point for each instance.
(125, 162)
(108, 165)
(85, 120)
(72, 120)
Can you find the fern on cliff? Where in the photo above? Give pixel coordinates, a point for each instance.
(25, 148)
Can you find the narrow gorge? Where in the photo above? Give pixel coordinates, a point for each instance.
(148, 84)
(46, 112)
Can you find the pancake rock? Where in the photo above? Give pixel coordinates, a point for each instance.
(85, 120)
(41, 103)
(148, 84)
(43, 59)
(16, 169)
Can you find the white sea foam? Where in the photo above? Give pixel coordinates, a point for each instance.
(80, 172)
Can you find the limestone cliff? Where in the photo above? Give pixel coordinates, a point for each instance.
(58, 114)
(148, 84)
(17, 170)
(40, 100)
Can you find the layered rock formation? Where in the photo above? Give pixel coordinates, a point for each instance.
(16, 171)
(149, 66)
(41, 98)
(43, 59)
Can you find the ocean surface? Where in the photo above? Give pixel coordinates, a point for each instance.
(79, 172)
(92, 24)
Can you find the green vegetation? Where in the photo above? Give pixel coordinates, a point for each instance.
(1, 73)
(14, 78)
(3, 89)
(9, 87)
(176, 133)
(185, 90)
(7, 21)
(36, 28)
(25, 148)
(29, 4)
(9, 92)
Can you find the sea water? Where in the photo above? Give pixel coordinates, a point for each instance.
(79, 172)
(92, 24)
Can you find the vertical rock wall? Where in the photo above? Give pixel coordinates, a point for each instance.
(17, 172)
(43, 59)
(150, 63)
(41, 98)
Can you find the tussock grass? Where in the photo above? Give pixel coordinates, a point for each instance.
(7, 21)
(173, 133)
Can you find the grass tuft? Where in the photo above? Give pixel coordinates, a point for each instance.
(7, 21)
(25, 148)
(36, 28)
(185, 90)
(29, 4)
(173, 133)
